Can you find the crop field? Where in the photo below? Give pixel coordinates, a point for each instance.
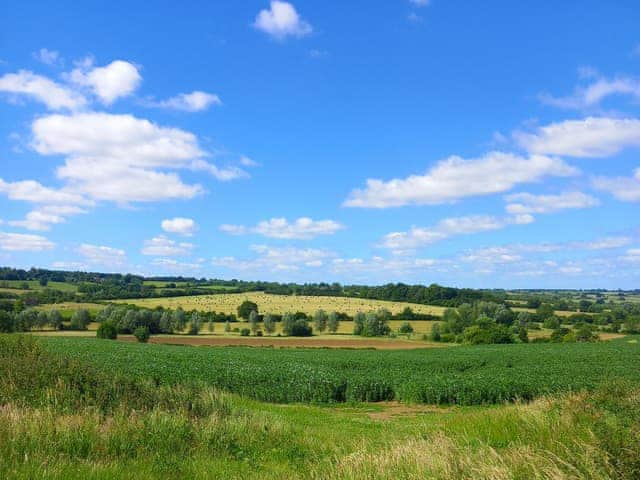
(17, 286)
(462, 375)
(279, 304)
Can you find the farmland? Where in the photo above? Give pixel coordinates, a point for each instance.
(279, 304)
(463, 375)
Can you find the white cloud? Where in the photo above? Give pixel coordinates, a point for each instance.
(270, 259)
(162, 246)
(101, 255)
(195, 101)
(281, 20)
(419, 237)
(456, 178)
(37, 87)
(108, 83)
(19, 242)
(172, 265)
(524, 203)
(625, 189)
(590, 137)
(46, 56)
(224, 174)
(248, 162)
(63, 265)
(180, 225)
(591, 95)
(116, 157)
(303, 228)
(35, 192)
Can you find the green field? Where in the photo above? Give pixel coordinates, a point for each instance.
(16, 286)
(463, 375)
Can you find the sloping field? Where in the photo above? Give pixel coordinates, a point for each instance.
(229, 302)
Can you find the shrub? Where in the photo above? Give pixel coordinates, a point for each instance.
(107, 330)
(297, 328)
(405, 328)
(245, 332)
(80, 320)
(141, 334)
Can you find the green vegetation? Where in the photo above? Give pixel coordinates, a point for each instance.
(461, 375)
(62, 417)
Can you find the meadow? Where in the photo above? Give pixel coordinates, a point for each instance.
(279, 304)
(460, 375)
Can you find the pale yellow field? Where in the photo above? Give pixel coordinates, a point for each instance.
(279, 304)
(559, 313)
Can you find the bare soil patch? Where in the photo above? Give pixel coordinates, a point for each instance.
(396, 409)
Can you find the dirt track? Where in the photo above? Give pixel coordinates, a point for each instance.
(278, 342)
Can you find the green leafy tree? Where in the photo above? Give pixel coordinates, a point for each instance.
(107, 330)
(358, 323)
(179, 319)
(227, 326)
(142, 334)
(55, 319)
(43, 319)
(435, 332)
(288, 321)
(269, 324)
(166, 322)
(195, 324)
(320, 320)
(405, 328)
(211, 326)
(80, 320)
(245, 309)
(254, 321)
(332, 322)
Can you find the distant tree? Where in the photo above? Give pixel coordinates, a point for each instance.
(376, 323)
(55, 319)
(358, 323)
(405, 328)
(245, 332)
(104, 313)
(195, 324)
(107, 330)
(551, 322)
(269, 323)
(435, 332)
(43, 319)
(179, 320)
(544, 311)
(332, 322)
(211, 326)
(288, 321)
(632, 324)
(254, 321)
(43, 281)
(523, 335)
(227, 326)
(166, 323)
(6, 322)
(80, 319)
(245, 309)
(141, 334)
(320, 320)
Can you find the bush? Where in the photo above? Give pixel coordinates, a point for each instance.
(141, 334)
(245, 332)
(107, 330)
(405, 328)
(297, 328)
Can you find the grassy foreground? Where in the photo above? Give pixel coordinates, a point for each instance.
(61, 418)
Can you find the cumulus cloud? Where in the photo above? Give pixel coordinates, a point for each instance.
(37, 87)
(108, 83)
(180, 225)
(172, 265)
(20, 242)
(117, 157)
(303, 228)
(102, 255)
(420, 237)
(591, 137)
(591, 95)
(162, 246)
(625, 189)
(527, 203)
(195, 101)
(281, 20)
(456, 178)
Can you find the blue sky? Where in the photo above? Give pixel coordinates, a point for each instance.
(480, 144)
